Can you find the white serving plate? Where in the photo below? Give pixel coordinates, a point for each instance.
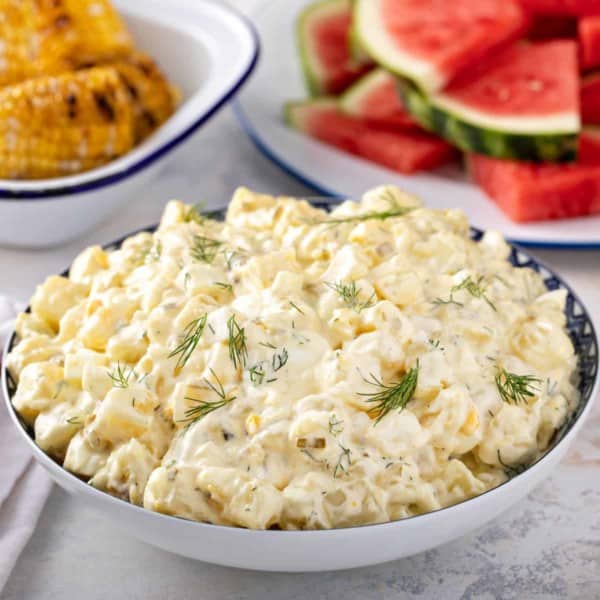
(208, 50)
(278, 79)
(346, 548)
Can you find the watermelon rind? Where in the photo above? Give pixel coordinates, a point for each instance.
(295, 110)
(353, 96)
(357, 51)
(308, 57)
(532, 139)
(369, 30)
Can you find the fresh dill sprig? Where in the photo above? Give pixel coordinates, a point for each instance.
(394, 210)
(238, 351)
(193, 214)
(257, 374)
(344, 461)
(391, 397)
(469, 285)
(119, 376)
(224, 286)
(205, 249)
(512, 470)
(267, 345)
(451, 300)
(203, 407)
(350, 295)
(279, 360)
(230, 256)
(191, 336)
(336, 426)
(436, 344)
(515, 389)
(475, 288)
(295, 306)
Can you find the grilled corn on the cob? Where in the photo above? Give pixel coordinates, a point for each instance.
(153, 98)
(65, 124)
(47, 37)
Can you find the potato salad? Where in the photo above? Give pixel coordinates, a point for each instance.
(294, 368)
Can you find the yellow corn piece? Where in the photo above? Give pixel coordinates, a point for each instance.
(153, 97)
(47, 37)
(65, 124)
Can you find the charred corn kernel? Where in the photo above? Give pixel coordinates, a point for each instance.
(48, 37)
(471, 422)
(154, 99)
(53, 126)
(252, 424)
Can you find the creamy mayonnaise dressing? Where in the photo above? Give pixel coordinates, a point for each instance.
(217, 370)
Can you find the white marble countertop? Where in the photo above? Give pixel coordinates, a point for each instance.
(546, 547)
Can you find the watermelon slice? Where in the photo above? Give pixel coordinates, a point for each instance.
(590, 99)
(589, 146)
(533, 192)
(406, 152)
(521, 104)
(552, 27)
(578, 8)
(431, 41)
(375, 98)
(589, 42)
(323, 37)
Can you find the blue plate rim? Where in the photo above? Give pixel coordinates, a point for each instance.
(267, 151)
(146, 161)
(584, 406)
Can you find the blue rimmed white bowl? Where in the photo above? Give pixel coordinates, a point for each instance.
(297, 551)
(208, 51)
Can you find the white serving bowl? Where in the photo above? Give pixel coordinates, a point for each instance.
(350, 547)
(208, 51)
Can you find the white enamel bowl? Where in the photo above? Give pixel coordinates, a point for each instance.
(208, 51)
(350, 547)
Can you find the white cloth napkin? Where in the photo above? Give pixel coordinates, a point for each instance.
(24, 486)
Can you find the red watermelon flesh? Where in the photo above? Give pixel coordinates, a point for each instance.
(528, 80)
(323, 35)
(431, 41)
(589, 42)
(589, 146)
(552, 27)
(406, 152)
(529, 192)
(578, 8)
(590, 99)
(375, 98)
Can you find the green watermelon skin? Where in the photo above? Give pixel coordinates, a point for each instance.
(589, 42)
(528, 192)
(406, 152)
(499, 108)
(577, 8)
(498, 144)
(322, 32)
